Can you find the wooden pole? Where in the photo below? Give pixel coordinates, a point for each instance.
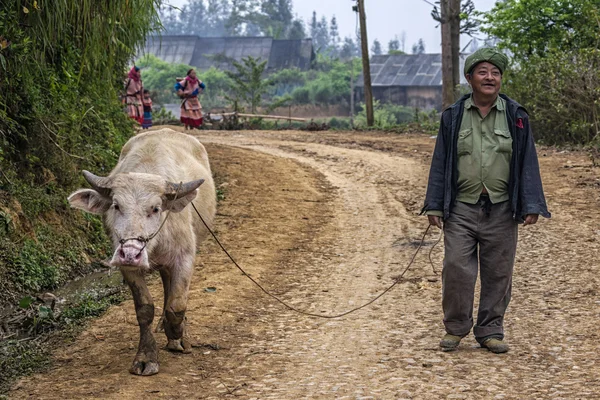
(230, 114)
(366, 63)
(447, 64)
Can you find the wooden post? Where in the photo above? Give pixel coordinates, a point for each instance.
(366, 64)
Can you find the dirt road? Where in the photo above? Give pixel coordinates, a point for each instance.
(326, 221)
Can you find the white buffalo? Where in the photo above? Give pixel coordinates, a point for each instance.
(158, 173)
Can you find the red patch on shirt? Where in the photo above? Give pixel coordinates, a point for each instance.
(520, 123)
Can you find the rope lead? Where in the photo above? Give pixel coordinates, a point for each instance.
(397, 280)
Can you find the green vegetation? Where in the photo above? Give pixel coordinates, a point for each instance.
(393, 117)
(556, 59)
(249, 86)
(59, 113)
(248, 83)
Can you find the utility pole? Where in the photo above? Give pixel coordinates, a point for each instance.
(360, 8)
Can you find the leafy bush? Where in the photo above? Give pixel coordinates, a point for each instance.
(322, 94)
(301, 95)
(340, 123)
(61, 70)
(388, 116)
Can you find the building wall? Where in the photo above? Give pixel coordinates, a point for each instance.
(422, 97)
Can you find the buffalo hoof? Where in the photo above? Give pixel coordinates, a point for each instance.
(179, 345)
(144, 368)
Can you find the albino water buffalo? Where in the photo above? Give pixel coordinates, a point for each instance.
(157, 172)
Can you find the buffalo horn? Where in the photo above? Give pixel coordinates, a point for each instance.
(98, 183)
(172, 189)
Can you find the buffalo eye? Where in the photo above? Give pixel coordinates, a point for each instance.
(116, 206)
(156, 210)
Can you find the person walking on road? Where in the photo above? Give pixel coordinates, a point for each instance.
(133, 94)
(191, 110)
(484, 181)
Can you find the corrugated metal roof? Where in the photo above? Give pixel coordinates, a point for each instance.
(172, 49)
(408, 70)
(219, 52)
(204, 53)
(291, 53)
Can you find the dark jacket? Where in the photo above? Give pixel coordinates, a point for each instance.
(525, 191)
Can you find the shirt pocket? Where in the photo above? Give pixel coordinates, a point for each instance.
(465, 142)
(504, 140)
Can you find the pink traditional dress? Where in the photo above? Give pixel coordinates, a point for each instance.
(134, 90)
(191, 109)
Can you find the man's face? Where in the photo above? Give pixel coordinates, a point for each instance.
(485, 79)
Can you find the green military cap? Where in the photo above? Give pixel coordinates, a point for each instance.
(488, 54)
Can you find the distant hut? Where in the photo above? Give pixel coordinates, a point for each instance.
(411, 80)
(220, 52)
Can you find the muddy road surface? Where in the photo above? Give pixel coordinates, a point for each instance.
(327, 221)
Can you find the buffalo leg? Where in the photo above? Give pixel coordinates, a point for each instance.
(166, 281)
(175, 311)
(146, 359)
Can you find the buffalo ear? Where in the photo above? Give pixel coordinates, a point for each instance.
(89, 200)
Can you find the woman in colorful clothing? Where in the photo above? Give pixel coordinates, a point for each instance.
(191, 109)
(133, 90)
(147, 102)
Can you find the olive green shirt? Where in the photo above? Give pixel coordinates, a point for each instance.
(484, 150)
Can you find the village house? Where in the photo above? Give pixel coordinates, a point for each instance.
(411, 80)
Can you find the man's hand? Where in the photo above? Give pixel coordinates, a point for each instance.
(437, 221)
(530, 219)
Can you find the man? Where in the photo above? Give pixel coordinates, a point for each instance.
(484, 181)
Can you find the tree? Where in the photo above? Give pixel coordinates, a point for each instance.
(454, 19)
(314, 26)
(349, 49)
(238, 17)
(248, 83)
(334, 36)
(534, 27)
(322, 38)
(275, 18)
(376, 49)
(393, 45)
(419, 47)
(193, 17)
(203, 18)
(297, 30)
(556, 68)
